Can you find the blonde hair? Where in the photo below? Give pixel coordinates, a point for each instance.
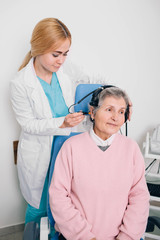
(47, 35)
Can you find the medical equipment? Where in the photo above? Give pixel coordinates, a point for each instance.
(81, 103)
(152, 174)
(94, 99)
(155, 140)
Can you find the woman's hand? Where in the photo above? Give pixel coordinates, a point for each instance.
(72, 120)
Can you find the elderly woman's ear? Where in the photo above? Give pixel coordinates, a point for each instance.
(91, 112)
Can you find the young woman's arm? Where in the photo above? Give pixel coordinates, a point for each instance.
(33, 121)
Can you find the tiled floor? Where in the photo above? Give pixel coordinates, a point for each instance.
(12, 232)
(12, 236)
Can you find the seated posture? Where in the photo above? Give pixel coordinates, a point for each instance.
(98, 189)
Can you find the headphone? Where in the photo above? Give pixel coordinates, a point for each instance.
(95, 100)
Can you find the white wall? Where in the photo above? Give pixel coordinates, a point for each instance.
(118, 39)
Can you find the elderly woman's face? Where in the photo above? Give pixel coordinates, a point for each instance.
(109, 117)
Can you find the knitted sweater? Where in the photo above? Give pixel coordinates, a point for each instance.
(96, 194)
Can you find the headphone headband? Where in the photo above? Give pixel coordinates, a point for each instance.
(94, 100)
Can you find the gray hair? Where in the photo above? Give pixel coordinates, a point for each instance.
(110, 92)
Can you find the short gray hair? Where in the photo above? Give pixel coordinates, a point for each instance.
(110, 92)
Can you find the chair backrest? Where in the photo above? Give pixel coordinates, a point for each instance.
(81, 91)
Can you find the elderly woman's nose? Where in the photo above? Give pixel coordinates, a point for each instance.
(114, 115)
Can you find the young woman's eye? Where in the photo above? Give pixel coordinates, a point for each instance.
(65, 54)
(55, 55)
(108, 109)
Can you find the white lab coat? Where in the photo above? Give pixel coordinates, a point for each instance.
(33, 113)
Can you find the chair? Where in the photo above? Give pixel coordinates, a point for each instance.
(82, 91)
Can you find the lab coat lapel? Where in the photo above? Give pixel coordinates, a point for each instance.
(41, 101)
(36, 91)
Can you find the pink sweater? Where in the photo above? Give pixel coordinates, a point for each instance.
(96, 194)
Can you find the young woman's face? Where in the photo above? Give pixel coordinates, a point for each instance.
(52, 61)
(109, 117)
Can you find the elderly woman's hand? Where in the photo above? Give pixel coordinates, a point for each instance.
(72, 120)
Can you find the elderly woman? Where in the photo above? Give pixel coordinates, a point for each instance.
(98, 190)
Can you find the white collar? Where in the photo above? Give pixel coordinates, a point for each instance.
(98, 140)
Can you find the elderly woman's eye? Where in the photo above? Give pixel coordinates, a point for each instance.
(122, 112)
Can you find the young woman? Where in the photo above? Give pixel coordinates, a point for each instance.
(41, 93)
(98, 190)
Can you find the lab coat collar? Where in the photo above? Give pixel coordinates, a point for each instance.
(30, 77)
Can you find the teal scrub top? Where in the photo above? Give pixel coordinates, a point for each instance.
(55, 97)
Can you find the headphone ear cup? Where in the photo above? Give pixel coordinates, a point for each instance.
(125, 120)
(94, 99)
(126, 114)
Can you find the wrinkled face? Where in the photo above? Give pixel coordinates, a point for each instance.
(109, 117)
(52, 61)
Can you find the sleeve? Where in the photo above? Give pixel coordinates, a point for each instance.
(136, 214)
(68, 218)
(25, 115)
